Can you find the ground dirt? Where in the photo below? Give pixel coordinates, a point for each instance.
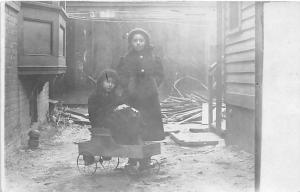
(52, 168)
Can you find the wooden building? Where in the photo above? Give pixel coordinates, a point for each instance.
(235, 71)
(183, 34)
(258, 73)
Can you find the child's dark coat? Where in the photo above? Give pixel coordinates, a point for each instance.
(123, 124)
(140, 75)
(101, 103)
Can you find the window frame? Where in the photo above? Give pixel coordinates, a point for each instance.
(61, 27)
(238, 28)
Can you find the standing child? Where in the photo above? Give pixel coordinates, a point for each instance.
(141, 73)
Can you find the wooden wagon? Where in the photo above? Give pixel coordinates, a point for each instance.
(107, 153)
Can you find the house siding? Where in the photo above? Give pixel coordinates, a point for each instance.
(239, 77)
(239, 60)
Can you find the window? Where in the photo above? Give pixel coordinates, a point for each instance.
(62, 40)
(37, 37)
(234, 17)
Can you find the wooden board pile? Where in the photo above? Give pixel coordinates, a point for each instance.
(187, 109)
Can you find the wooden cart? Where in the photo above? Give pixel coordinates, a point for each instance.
(107, 153)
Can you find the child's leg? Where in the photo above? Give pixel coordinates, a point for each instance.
(136, 140)
(88, 159)
(132, 162)
(145, 163)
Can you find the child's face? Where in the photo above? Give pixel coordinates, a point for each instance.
(138, 42)
(109, 84)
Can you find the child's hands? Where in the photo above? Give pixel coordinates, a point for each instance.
(121, 107)
(124, 106)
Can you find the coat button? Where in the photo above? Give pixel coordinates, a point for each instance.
(142, 70)
(141, 56)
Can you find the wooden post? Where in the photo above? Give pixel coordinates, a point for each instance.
(93, 66)
(210, 92)
(2, 94)
(219, 66)
(259, 37)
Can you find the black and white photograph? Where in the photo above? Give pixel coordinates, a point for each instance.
(150, 96)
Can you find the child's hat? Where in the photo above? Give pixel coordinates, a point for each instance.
(139, 31)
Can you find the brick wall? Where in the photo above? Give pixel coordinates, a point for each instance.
(18, 90)
(12, 88)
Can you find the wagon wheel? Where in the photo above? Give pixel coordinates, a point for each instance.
(155, 166)
(109, 163)
(86, 163)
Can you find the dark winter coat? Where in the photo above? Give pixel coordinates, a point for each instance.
(140, 75)
(123, 124)
(101, 104)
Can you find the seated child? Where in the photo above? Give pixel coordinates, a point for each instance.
(104, 99)
(105, 111)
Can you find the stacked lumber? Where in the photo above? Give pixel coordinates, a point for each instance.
(187, 109)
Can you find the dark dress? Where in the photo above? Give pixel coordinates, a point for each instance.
(140, 75)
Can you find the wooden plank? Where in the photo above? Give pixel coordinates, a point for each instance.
(247, 4)
(246, 101)
(204, 114)
(195, 139)
(248, 24)
(240, 47)
(219, 76)
(241, 78)
(240, 57)
(240, 37)
(248, 18)
(150, 149)
(243, 89)
(220, 61)
(247, 13)
(240, 67)
(100, 148)
(259, 12)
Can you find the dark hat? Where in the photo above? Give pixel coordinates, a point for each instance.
(139, 31)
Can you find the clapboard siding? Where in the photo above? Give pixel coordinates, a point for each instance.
(240, 57)
(246, 67)
(248, 24)
(240, 89)
(239, 60)
(248, 13)
(242, 78)
(247, 4)
(240, 47)
(243, 36)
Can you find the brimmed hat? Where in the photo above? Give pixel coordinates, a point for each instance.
(139, 31)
